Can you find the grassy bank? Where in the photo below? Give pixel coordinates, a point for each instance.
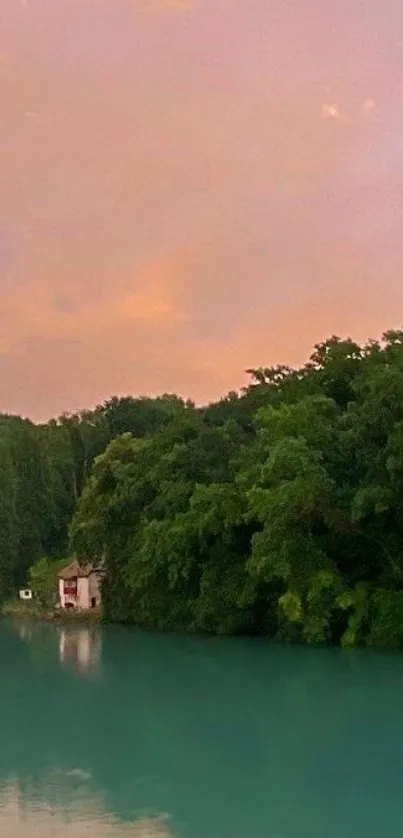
(34, 611)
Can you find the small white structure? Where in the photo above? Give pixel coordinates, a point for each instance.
(26, 593)
(80, 586)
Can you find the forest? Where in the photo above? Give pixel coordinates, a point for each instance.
(275, 511)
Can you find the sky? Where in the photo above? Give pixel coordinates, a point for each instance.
(190, 188)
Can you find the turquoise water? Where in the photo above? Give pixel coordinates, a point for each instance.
(119, 732)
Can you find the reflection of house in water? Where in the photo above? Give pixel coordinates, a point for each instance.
(80, 648)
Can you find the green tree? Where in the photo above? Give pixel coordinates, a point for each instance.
(8, 519)
(43, 580)
(276, 510)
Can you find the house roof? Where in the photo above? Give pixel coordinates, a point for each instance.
(74, 569)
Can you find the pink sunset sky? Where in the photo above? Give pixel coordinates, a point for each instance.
(190, 188)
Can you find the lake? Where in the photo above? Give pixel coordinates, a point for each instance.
(114, 732)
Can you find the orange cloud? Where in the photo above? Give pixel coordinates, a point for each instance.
(154, 303)
(172, 5)
(93, 815)
(176, 6)
(173, 209)
(333, 112)
(368, 109)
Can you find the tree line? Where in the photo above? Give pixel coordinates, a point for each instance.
(277, 510)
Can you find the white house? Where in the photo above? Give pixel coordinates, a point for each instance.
(26, 593)
(79, 586)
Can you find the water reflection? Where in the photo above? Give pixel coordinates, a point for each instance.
(231, 738)
(24, 630)
(80, 648)
(24, 813)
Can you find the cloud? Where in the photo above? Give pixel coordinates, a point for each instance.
(190, 142)
(368, 109)
(54, 822)
(179, 6)
(154, 303)
(332, 112)
(175, 5)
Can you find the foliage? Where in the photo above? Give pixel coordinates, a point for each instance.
(277, 510)
(8, 521)
(43, 580)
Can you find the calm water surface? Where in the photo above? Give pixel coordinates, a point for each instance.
(119, 733)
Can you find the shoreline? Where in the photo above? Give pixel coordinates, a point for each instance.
(49, 615)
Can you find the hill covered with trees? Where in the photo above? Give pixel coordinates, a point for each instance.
(277, 510)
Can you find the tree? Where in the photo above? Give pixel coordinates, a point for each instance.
(43, 580)
(277, 510)
(8, 519)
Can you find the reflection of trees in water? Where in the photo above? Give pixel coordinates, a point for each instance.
(231, 737)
